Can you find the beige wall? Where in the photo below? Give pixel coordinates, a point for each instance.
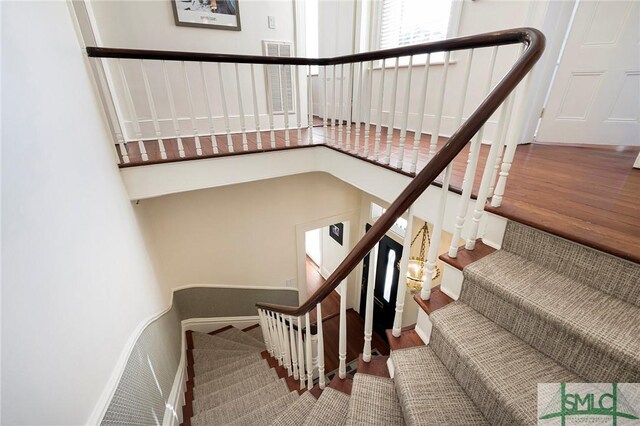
(240, 234)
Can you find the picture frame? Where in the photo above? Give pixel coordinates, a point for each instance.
(336, 231)
(216, 14)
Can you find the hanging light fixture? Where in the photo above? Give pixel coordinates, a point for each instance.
(416, 269)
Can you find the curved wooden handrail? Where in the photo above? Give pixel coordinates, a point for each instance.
(535, 41)
(496, 38)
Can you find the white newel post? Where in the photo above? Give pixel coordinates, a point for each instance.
(342, 345)
(308, 357)
(404, 263)
(301, 363)
(321, 378)
(294, 350)
(368, 316)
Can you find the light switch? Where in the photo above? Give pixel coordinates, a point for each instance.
(272, 22)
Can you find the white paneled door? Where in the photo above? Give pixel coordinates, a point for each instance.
(595, 98)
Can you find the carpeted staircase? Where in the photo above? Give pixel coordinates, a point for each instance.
(540, 310)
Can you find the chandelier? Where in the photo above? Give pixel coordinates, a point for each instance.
(416, 269)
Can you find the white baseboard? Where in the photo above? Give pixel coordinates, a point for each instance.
(173, 410)
(207, 325)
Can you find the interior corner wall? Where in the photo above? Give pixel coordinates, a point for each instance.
(76, 279)
(143, 24)
(241, 234)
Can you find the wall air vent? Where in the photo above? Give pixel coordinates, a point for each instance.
(279, 78)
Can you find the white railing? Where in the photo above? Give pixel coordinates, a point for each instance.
(179, 103)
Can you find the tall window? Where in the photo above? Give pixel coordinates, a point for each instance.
(406, 22)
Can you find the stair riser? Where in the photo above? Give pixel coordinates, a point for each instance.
(586, 360)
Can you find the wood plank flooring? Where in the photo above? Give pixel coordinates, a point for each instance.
(589, 194)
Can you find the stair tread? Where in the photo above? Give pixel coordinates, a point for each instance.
(256, 333)
(330, 409)
(496, 369)
(373, 402)
(235, 335)
(239, 407)
(296, 413)
(207, 369)
(605, 272)
(232, 376)
(237, 390)
(207, 341)
(594, 317)
(428, 393)
(266, 413)
(207, 359)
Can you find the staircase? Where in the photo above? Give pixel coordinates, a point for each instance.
(540, 310)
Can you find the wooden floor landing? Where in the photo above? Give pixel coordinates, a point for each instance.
(588, 194)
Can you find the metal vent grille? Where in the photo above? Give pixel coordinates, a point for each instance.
(279, 78)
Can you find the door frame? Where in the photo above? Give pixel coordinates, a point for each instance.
(301, 253)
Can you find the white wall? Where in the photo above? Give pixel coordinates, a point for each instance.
(240, 234)
(332, 252)
(76, 280)
(151, 25)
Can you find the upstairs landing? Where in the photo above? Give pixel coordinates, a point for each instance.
(586, 193)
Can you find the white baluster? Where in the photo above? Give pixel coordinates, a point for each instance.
(272, 133)
(152, 108)
(350, 106)
(310, 97)
(483, 192)
(285, 103)
(472, 159)
(405, 115)
(357, 107)
(404, 263)
(194, 125)
(172, 108)
(321, 378)
(225, 112)
(368, 315)
(256, 113)
(417, 136)
(496, 199)
(435, 135)
(341, 106)
(432, 255)
(243, 128)
(294, 351)
(285, 344)
(301, 362)
(325, 100)
(376, 143)
(275, 342)
(342, 344)
(367, 124)
(392, 113)
(134, 117)
(263, 328)
(214, 141)
(333, 104)
(309, 363)
(298, 105)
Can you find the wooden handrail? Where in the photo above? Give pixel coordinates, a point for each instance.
(496, 38)
(534, 41)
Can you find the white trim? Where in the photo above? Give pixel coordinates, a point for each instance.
(110, 387)
(253, 287)
(207, 325)
(423, 326)
(451, 283)
(173, 410)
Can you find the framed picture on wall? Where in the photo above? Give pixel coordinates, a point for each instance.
(336, 231)
(219, 14)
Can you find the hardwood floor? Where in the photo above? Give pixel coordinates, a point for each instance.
(588, 193)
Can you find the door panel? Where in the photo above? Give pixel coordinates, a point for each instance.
(595, 96)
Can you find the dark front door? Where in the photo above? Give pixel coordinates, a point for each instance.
(385, 284)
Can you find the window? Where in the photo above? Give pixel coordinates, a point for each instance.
(406, 22)
(400, 225)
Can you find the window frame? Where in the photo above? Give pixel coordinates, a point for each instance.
(376, 34)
